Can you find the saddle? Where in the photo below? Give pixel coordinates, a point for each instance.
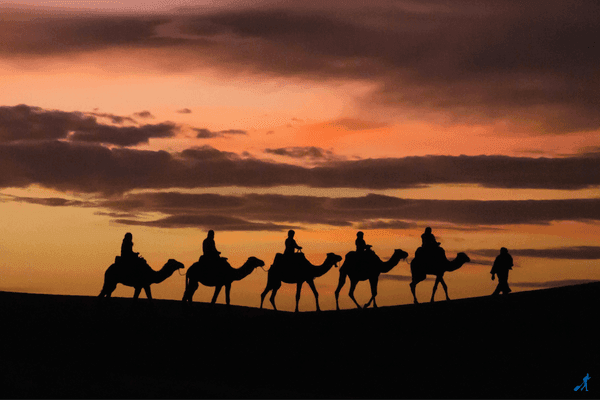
(430, 253)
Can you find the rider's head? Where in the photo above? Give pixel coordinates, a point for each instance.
(428, 230)
(503, 250)
(211, 234)
(128, 236)
(360, 234)
(291, 233)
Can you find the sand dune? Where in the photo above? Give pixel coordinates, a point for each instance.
(536, 344)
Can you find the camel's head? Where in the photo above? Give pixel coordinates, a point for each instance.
(403, 255)
(173, 265)
(463, 258)
(256, 262)
(334, 258)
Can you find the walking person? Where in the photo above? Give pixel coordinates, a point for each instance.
(502, 265)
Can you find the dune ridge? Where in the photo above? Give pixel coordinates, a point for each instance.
(530, 344)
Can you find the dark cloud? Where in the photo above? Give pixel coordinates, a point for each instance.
(23, 122)
(528, 63)
(206, 134)
(144, 114)
(561, 253)
(27, 123)
(369, 212)
(184, 111)
(487, 171)
(311, 153)
(45, 33)
(51, 201)
(115, 119)
(395, 224)
(59, 164)
(124, 135)
(206, 222)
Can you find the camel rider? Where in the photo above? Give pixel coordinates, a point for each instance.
(360, 243)
(290, 244)
(127, 253)
(208, 246)
(428, 239)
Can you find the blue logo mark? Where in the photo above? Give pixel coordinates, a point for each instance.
(584, 384)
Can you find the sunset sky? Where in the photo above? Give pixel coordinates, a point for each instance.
(479, 118)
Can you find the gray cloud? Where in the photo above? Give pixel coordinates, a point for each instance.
(115, 119)
(395, 224)
(206, 222)
(523, 63)
(63, 164)
(144, 114)
(26, 123)
(275, 212)
(184, 111)
(311, 153)
(207, 134)
(124, 135)
(368, 211)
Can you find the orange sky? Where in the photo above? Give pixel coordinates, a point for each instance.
(168, 122)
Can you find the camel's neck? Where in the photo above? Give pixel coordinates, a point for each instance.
(240, 273)
(322, 269)
(161, 275)
(455, 264)
(386, 266)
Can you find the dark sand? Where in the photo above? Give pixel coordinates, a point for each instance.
(537, 344)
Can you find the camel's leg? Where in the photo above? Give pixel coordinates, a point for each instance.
(217, 291)
(107, 290)
(314, 289)
(351, 292)
(445, 287)
(413, 285)
(148, 292)
(435, 285)
(341, 283)
(137, 292)
(373, 283)
(227, 293)
(189, 292)
(298, 291)
(264, 294)
(273, 293)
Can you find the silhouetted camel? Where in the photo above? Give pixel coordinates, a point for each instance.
(362, 267)
(217, 274)
(436, 264)
(298, 271)
(139, 276)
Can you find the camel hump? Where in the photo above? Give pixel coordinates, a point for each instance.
(430, 252)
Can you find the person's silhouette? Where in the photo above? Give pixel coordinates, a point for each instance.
(585, 379)
(584, 384)
(361, 246)
(502, 264)
(209, 247)
(428, 239)
(127, 253)
(290, 244)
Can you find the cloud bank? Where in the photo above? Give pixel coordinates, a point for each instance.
(529, 64)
